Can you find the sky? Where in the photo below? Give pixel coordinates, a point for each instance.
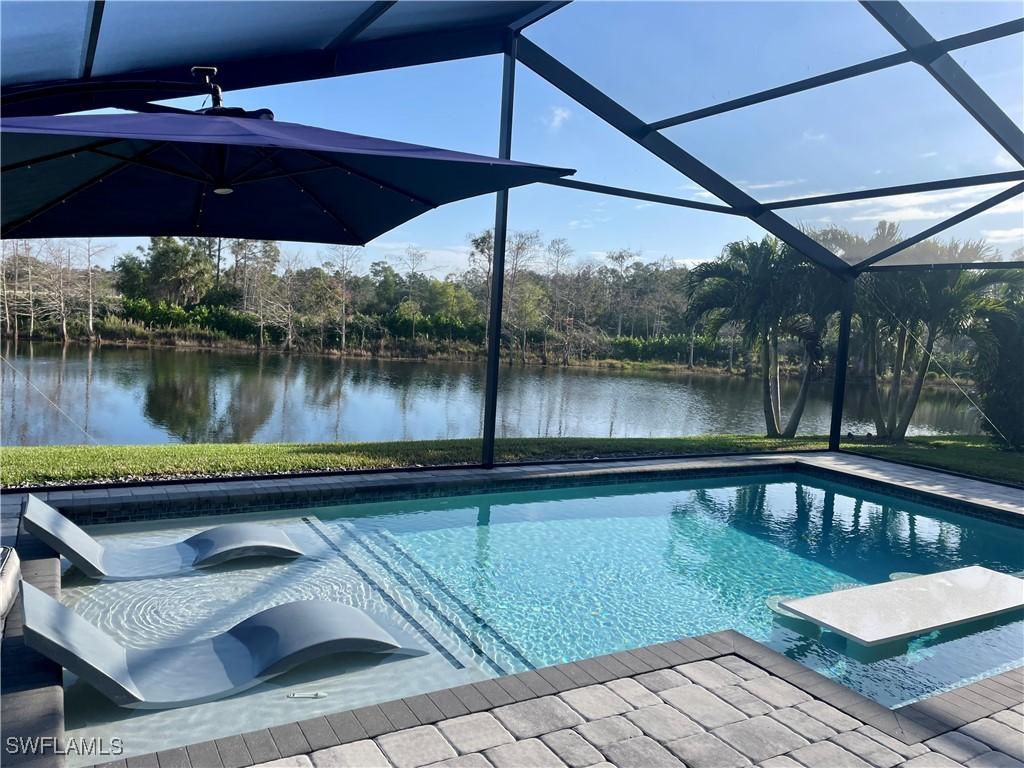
(659, 59)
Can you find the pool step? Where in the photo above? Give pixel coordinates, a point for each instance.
(410, 576)
(487, 631)
(325, 535)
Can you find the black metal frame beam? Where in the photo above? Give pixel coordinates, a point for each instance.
(650, 197)
(845, 73)
(508, 88)
(842, 362)
(95, 22)
(901, 24)
(957, 265)
(360, 24)
(547, 9)
(620, 118)
(902, 189)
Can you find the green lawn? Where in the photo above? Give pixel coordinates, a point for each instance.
(969, 455)
(84, 463)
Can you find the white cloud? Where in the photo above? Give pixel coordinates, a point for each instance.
(556, 117)
(588, 222)
(1011, 236)
(929, 154)
(926, 206)
(1003, 160)
(641, 206)
(778, 184)
(810, 135)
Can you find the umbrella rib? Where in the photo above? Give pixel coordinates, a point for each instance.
(383, 184)
(240, 178)
(282, 174)
(270, 176)
(337, 219)
(152, 166)
(58, 155)
(200, 168)
(78, 190)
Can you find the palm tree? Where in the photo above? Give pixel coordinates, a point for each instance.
(918, 309)
(998, 336)
(818, 297)
(751, 285)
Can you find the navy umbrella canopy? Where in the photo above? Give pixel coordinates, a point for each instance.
(227, 176)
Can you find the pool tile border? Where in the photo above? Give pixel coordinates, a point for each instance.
(910, 724)
(159, 502)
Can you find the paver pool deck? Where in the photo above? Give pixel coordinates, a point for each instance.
(716, 701)
(719, 700)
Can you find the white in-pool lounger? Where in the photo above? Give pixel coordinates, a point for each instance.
(912, 606)
(211, 547)
(260, 647)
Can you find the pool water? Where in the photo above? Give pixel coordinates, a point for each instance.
(505, 582)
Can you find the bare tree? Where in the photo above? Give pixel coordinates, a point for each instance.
(558, 255)
(412, 260)
(58, 283)
(31, 297)
(89, 251)
(4, 258)
(343, 262)
(282, 302)
(521, 252)
(16, 288)
(621, 260)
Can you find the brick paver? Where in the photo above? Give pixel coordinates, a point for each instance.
(572, 749)
(663, 723)
(474, 733)
(760, 738)
(706, 751)
(531, 752)
(709, 674)
(702, 706)
(607, 731)
(533, 718)
(596, 701)
(414, 747)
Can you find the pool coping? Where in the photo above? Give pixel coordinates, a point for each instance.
(937, 714)
(213, 497)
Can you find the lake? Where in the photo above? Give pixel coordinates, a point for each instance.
(141, 395)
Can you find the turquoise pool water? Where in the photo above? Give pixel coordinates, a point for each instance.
(567, 574)
(502, 582)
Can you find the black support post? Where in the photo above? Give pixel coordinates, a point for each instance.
(841, 364)
(508, 87)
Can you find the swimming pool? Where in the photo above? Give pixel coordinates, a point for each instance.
(503, 582)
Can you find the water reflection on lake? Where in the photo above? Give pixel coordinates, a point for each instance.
(139, 395)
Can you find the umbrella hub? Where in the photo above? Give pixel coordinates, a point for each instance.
(206, 74)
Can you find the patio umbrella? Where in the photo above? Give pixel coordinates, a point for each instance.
(227, 176)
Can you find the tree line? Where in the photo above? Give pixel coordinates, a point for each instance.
(758, 309)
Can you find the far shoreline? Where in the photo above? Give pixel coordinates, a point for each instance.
(467, 358)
